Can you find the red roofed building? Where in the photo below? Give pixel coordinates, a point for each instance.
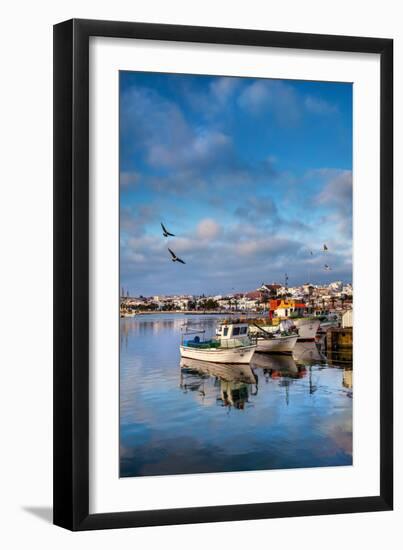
(254, 295)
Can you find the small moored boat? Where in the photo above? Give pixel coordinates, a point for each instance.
(277, 343)
(307, 328)
(281, 341)
(233, 346)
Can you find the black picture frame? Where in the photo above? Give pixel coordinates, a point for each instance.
(71, 274)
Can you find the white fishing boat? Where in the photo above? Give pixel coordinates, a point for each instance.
(307, 328)
(282, 340)
(233, 346)
(279, 339)
(277, 343)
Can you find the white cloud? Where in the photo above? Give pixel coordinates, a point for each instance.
(133, 220)
(196, 149)
(223, 88)
(337, 195)
(159, 128)
(188, 244)
(257, 208)
(271, 247)
(272, 95)
(338, 190)
(208, 229)
(319, 106)
(255, 96)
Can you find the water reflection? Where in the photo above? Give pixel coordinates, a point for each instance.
(233, 383)
(189, 416)
(306, 353)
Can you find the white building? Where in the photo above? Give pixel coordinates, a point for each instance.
(336, 286)
(347, 290)
(347, 319)
(247, 304)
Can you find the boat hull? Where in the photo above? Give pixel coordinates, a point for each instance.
(220, 355)
(307, 328)
(283, 344)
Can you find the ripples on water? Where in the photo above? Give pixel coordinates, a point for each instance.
(277, 412)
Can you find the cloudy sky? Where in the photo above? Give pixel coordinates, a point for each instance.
(250, 175)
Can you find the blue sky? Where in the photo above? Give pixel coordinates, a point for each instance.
(250, 174)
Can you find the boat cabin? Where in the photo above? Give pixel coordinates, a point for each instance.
(233, 330)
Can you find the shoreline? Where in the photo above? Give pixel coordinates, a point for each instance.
(177, 312)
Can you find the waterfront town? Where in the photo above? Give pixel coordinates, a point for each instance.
(305, 299)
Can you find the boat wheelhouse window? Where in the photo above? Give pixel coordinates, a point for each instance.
(235, 331)
(225, 331)
(244, 330)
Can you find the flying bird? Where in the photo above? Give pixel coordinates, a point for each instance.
(175, 257)
(327, 268)
(325, 247)
(165, 232)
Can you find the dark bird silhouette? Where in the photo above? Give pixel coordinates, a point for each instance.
(327, 268)
(165, 232)
(175, 257)
(325, 247)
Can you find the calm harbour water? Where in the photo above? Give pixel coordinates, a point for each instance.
(278, 412)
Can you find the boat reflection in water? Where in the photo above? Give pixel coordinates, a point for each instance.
(310, 353)
(281, 368)
(307, 353)
(277, 365)
(234, 383)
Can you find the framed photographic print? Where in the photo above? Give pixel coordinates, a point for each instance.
(223, 299)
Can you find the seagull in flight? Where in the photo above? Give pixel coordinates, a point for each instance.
(327, 268)
(165, 232)
(175, 257)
